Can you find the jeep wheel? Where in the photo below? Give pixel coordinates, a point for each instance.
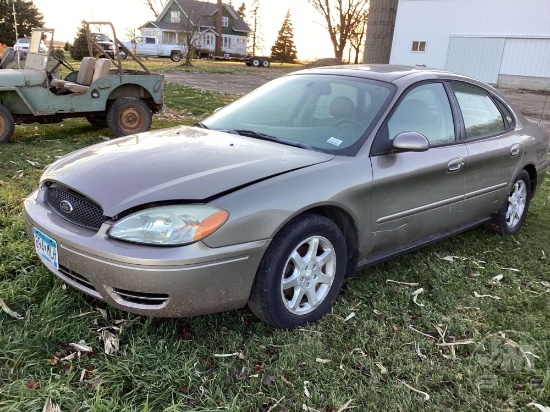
(7, 125)
(129, 115)
(175, 56)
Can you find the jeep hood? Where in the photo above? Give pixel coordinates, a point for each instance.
(11, 77)
(181, 163)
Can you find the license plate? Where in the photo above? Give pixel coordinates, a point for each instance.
(46, 247)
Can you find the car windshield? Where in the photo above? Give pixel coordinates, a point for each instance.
(322, 112)
(25, 40)
(100, 37)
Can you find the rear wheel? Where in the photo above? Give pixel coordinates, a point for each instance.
(255, 62)
(511, 215)
(266, 63)
(301, 273)
(129, 115)
(175, 56)
(7, 125)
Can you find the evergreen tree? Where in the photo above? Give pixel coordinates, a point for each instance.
(79, 49)
(284, 49)
(28, 17)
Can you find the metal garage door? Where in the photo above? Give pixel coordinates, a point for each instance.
(526, 57)
(478, 57)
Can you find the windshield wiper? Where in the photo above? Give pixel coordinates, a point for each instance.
(201, 125)
(263, 136)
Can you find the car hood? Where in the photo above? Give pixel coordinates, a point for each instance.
(177, 164)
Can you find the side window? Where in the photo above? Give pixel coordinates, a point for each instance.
(150, 40)
(481, 117)
(425, 110)
(507, 113)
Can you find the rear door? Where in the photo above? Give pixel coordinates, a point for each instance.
(494, 150)
(418, 194)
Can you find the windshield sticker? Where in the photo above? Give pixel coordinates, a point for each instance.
(334, 141)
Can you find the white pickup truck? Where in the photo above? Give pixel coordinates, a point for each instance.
(150, 46)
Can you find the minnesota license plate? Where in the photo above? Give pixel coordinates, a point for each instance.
(46, 247)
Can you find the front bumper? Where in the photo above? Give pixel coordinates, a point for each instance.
(156, 281)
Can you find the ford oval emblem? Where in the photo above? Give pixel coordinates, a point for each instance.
(66, 207)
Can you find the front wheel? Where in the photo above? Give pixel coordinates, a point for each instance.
(129, 115)
(175, 56)
(511, 215)
(122, 54)
(301, 273)
(7, 125)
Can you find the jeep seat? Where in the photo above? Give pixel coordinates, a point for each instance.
(101, 70)
(84, 77)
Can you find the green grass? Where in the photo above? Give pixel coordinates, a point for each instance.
(172, 364)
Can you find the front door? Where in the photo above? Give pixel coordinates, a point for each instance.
(417, 195)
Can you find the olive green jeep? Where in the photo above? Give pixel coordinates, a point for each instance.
(102, 91)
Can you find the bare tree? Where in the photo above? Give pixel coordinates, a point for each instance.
(357, 38)
(156, 6)
(255, 35)
(341, 19)
(190, 36)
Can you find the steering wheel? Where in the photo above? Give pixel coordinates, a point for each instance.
(60, 62)
(351, 121)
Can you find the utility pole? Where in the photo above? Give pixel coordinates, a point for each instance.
(219, 29)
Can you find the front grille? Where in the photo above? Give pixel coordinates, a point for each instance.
(82, 211)
(81, 280)
(141, 298)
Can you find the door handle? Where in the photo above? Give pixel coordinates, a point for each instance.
(455, 164)
(515, 150)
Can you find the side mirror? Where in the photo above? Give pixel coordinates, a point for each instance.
(410, 142)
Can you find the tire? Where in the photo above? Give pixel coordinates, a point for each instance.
(122, 54)
(291, 287)
(175, 56)
(266, 63)
(97, 120)
(129, 115)
(7, 125)
(255, 62)
(509, 219)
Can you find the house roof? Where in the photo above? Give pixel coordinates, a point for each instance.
(208, 18)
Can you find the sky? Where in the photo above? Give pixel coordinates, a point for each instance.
(310, 37)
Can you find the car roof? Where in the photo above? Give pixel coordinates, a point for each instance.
(24, 40)
(383, 72)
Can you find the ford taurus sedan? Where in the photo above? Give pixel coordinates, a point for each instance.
(275, 199)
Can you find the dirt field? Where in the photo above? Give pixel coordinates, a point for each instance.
(531, 103)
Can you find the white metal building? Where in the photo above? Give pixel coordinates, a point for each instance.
(505, 42)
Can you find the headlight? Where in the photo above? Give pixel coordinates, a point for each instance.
(169, 225)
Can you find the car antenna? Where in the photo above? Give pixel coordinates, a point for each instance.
(544, 107)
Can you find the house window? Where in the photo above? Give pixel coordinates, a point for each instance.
(226, 42)
(418, 46)
(175, 17)
(225, 21)
(169, 37)
(241, 41)
(209, 39)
